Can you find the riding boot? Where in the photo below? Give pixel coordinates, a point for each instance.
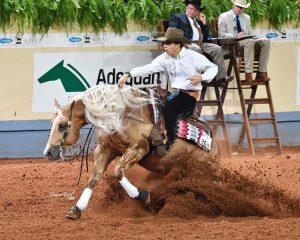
(158, 141)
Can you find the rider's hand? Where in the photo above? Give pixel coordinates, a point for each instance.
(123, 79)
(202, 18)
(241, 34)
(195, 79)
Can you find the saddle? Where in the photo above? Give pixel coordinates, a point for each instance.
(158, 135)
(192, 129)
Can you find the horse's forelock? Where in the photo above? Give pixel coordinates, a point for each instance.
(54, 116)
(61, 112)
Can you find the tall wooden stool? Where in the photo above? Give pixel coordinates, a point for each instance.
(250, 118)
(216, 102)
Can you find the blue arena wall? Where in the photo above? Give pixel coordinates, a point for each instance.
(27, 139)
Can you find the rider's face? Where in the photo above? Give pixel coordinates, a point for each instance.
(171, 48)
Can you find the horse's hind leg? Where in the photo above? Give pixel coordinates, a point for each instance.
(129, 158)
(101, 161)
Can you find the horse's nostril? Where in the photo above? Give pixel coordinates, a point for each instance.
(48, 154)
(53, 153)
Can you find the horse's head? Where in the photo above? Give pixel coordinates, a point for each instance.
(53, 74)
(65, 129)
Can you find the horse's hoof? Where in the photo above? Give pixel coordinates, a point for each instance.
(74, 213)
(144, 197)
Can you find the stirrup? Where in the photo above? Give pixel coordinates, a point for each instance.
(156, 137)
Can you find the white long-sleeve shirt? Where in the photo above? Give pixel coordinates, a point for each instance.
(188, 63)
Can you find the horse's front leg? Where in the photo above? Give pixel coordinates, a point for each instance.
(132, 155)
(101, 161)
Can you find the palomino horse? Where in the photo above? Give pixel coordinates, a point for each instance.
(122, 118)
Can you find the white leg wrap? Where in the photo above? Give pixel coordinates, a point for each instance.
(84, 199)
(129, 188)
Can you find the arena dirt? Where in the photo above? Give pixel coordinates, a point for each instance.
(247, 198)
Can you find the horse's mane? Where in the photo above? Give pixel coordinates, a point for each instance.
(106, 105)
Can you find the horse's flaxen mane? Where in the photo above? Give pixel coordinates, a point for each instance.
(106, 105)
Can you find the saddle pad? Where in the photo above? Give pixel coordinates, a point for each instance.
(193, 132)
(154, 106)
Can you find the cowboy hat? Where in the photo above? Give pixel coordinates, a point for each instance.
(195, 3)
(174, 34)
(241, 3)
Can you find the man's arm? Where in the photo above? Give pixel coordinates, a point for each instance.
(248, 28)
(209, 70)
(180, 21)
(174, 21)
(157, 65)
(222, 28)
(205, 31)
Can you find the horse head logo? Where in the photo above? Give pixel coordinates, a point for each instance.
(71, 79)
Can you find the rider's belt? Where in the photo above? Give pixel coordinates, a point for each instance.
(194, 93)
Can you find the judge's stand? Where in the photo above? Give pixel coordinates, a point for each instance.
(249, 99)
(216, 99)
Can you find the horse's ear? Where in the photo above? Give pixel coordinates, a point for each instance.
(57, 105)
(72, 104)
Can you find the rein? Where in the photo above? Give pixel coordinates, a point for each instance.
(83, 152)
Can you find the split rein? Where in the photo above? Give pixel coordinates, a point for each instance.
(84, 150)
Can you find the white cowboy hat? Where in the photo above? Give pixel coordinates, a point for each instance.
(174, 34)
(241, 3)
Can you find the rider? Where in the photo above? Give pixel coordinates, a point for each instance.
(185, 69)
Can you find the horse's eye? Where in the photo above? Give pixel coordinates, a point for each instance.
(62, 127)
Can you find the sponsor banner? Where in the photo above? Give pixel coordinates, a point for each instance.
(285, 35)
(112, 39)
(298, 79)
(75, 39)
(61, 76)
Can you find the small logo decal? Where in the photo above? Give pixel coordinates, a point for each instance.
(143, 38)
(272, 35)
(5, 40)
(74, 39)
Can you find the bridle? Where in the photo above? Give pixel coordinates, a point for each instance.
(85, 149)
(65, 134)
(62, 142)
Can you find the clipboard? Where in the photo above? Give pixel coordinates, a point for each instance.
(246, 37)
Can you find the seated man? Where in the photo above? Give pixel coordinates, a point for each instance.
(197, 32)
(235, 23)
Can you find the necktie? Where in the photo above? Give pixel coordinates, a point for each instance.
(199, 31)
(238, 24)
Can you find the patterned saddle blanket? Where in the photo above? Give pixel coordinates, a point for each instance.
(196, 131)
(192, 129)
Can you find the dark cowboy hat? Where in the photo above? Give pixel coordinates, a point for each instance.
(174, 34)
(195, 3)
